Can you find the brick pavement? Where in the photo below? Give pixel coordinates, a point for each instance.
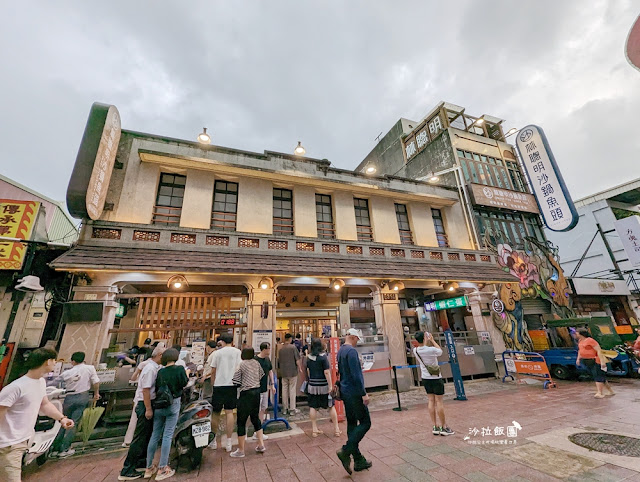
(401, 446)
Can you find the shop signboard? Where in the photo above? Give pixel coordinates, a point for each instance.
(554, 200)
(497, 306)
(95, 161)
(106, 376)
(437, 305)
(455, 366)
(261, 336)
(589, 286)
(503, 198)
(17, 219)
(629, 231)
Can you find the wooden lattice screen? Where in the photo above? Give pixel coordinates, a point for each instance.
(169, 312)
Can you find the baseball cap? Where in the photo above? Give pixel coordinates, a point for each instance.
(354, 332)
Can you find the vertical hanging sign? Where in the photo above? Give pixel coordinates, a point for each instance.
(554, 200)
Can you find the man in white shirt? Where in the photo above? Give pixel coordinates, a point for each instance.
(224, 363)
(146, 391)
(20, 402)
(78, 380)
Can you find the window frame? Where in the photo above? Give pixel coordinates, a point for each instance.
(324, 218)
(406, 235)
(283, 225)
(224, 220)
(438, 221)
(363, 226)
(169, 213)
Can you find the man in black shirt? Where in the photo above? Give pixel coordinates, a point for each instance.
(267, 387)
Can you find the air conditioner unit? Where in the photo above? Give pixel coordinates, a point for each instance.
(34, 323)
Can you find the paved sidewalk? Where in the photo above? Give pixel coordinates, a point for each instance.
(401, 445)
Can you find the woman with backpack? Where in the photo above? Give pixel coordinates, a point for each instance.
(427, 353)
(170, 382)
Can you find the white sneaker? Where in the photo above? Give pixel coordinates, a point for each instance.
(213, 445)
(229, 447)
(264, 436)
(237, 454)
(67, 453)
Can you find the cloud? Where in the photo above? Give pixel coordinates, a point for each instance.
(332, 75)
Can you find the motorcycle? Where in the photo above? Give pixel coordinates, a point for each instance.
(46, 430)
(194, 426)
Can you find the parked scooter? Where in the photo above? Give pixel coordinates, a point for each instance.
(194, 425)
(46, 430)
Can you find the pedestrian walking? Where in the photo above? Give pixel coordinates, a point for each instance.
(267, 386)
(298, 342)
(135, 463)
(319, 385)
(172, 378)
(289, 365)
(80, 381)
(355, 400)
(247, 378)
(590, 354)
(427, 353)
(20, 402)
(224, 363)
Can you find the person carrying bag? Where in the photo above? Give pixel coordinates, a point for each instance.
(428, 352)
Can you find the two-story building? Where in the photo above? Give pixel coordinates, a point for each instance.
(185, 240)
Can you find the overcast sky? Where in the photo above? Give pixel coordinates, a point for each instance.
(332, 74)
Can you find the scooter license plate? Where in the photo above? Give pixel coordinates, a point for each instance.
(201, 428)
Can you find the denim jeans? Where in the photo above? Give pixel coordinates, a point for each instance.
(164, 424)
(73, 407)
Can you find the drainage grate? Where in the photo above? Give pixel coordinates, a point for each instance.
(608, 443)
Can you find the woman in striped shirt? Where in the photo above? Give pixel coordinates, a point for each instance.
(319, 385)
(247, 378)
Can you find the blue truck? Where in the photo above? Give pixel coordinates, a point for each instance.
(561, 357)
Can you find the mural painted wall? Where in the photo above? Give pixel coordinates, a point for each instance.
(537, 274)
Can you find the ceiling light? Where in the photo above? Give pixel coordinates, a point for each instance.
(299, 150)
(432, 177)
(371, 170)
(479, 121)
(451, 286)
(337, 284)
(396, 285)
(203, 137)
(265, 283)
(511, 131)
(177, 282)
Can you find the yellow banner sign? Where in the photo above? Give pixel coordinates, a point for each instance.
(16, 221)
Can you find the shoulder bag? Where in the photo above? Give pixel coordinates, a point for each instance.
(434, 370)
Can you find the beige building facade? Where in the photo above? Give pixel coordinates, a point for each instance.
(263, 244)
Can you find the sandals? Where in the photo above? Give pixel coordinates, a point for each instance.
(315, 433)
(338, 433)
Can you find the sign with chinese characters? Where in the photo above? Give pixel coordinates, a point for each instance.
(107, 376)
(96, 157)
(497, 306)
(554, 201)
(503, 198)
(198, 351)
(468, 350)
(424, 134)
(17, 219)
(446, 304)
(629, 231)
(261, 336)
(590, 286)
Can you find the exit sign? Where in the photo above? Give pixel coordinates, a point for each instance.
(446, 304)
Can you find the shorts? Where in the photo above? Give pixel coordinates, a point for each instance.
(596, 372)
(433, 386)
(224, 397)
(264, 401)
